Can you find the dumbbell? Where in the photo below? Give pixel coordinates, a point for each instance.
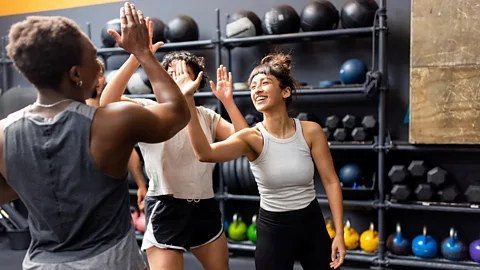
(252, 119)
(365, 132)
(424, 192)
(332, 122)
(418, 168)
(401, 192)
(328, 133)
(341, 134)
(473, 194)
(448, 194)
(349, 121)
(437, 177)
(398, 174)
(360, 134)
(369, 123)
(304, 116)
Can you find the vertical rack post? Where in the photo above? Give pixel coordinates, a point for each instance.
(4, 66)
(89, 30)
(382, 68)
(218, 61)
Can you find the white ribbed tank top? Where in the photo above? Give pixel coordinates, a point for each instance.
(284, 172)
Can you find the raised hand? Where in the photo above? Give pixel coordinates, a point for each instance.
(156, 46)
(224, 89)
(183, 80)
(135, 37)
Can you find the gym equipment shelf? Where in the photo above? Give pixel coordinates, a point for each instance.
(434, 206)
(352, 255)
(192, 45)
(301, 36)
(405, 146)
(434, 263)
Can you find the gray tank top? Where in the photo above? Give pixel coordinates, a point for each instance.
(76, 210)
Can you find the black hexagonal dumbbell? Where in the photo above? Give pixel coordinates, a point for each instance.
(401, 193)
(437, 177)
(328, 133)
(398, 174)
(448, 194)
(360, 134)
(340, 134)
(418, 168)
(305, 116)
(349, 121)
(424, 192)
(332, 122)
(369, 123)
(473, 194)
(250, 118)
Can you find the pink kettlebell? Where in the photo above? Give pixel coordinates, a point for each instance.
(140, 223)
(134, 214)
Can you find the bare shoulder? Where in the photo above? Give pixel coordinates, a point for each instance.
(250, 135)
(312, 132)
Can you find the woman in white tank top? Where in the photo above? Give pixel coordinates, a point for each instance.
(283, 153)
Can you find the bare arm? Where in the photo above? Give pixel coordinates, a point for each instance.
(7, 194)
(224, 92)
(230, 149)
(135, 168)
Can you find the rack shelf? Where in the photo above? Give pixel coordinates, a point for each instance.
(199, 44)
(301, 36)
(405, 146)
(434, 263)
(433, 206)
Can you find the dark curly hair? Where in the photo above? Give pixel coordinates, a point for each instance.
(196, 63)
(278, 65)
(44, 48)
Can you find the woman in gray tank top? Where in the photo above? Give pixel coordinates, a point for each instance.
(283, 153)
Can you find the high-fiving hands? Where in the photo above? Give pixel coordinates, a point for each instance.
(224, 89)
(183, 79)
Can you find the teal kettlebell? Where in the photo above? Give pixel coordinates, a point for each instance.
(452, 248)
(424, 245)
(252, 230)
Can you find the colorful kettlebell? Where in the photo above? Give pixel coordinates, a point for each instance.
(424, 245)
(252, 230)
(225, 225)
(397, 244)
(140, 223)
(134, 214)
(350, 236)
(475, 250)
(369, 239)
(452, 248)
(330, 230)
(237, 231)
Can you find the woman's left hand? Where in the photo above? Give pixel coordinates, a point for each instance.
(338, 245)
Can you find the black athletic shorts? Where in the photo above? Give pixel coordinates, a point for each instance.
(286, 237)
(181, 224)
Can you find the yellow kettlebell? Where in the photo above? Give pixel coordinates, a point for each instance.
(369, 239)
(350, 236)
(330, 230)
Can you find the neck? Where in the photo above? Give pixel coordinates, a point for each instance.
(278, 123)
(49, 96)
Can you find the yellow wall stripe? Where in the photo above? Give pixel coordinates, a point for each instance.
(28, 6)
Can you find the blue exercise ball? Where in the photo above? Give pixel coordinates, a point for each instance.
(350, 174)
(353, 71)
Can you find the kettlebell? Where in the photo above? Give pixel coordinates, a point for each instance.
(140, 223)
(397, 244)
(350, 236)
(330, 230)
(134, 214)
(424, 245)
(452, 248)
(225, 225)
(475, 250)
(237, 230)
(252, 230)
(369, 239)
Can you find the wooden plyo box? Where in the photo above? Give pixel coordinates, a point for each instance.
(445, 72)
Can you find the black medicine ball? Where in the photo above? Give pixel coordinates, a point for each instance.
(319, 15)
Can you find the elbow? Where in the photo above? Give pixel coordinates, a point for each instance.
(183, 115)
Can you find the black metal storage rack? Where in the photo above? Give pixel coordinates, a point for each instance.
(382, 259)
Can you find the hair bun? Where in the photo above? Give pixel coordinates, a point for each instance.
(278, 59)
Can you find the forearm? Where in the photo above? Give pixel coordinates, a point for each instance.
(114, 89)
(335, 200)
(200, 144)
(236, 116)
(135, 169)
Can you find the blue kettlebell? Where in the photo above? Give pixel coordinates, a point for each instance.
(397, 244)
(424, 245)
(225, 225)
(452, 248)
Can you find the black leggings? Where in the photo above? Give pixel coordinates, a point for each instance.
(286, 237)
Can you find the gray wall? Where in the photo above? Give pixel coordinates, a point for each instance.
(313, 62)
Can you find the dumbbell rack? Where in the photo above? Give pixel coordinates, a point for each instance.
(383, 144)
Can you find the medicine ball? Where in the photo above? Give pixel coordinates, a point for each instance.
(181, 28)
(358, 13)
(353, 71)
(107, 40)
(243, 23)
(15, 99)
(281, 19)
(350, 174)
(139, 83)
(158, 30)
(319, 15)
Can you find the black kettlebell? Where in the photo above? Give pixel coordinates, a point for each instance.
(397, 244)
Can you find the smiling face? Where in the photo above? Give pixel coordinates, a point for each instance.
(266, 93)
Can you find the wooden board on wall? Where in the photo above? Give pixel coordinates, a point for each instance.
(445, 72)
